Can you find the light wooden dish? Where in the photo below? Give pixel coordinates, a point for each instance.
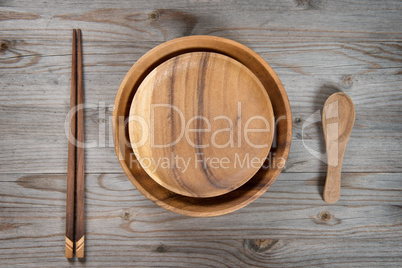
(235, 199)
(201, 126)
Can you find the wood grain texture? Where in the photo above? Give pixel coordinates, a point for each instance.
(210, 92)
(275, 230)
(317, 48)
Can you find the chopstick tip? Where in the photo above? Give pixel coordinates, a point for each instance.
(69, 248)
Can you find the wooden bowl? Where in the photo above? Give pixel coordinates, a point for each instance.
(201, 124)
(235, 199)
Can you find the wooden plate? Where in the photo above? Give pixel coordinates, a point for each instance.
(252, 189)
(206, 124)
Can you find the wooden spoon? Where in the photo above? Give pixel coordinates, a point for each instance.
(337, 119)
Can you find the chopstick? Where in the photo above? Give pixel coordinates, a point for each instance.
(75, 164)
(71, 154)
(80, 223)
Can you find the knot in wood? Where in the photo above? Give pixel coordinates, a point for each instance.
(4, 46)
(153, 15)
(160, 249)
(298, 121)
(325, 216)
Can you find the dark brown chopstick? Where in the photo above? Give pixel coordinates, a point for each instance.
(71, 154)
(75, 164)
(80, 223)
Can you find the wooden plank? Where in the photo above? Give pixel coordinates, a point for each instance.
(42, 145)
(348, 20)
(369, 208)
(290, 225)
(40, 74)
(175, 252)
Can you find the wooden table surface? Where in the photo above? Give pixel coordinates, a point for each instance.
(317, 47)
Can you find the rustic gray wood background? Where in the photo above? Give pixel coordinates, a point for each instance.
(316, 47)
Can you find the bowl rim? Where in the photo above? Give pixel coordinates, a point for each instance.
(192, 206)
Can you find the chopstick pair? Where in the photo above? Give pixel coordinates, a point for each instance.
(75, 164)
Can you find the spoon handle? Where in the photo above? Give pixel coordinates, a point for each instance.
(332, 189)
(335, 152)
